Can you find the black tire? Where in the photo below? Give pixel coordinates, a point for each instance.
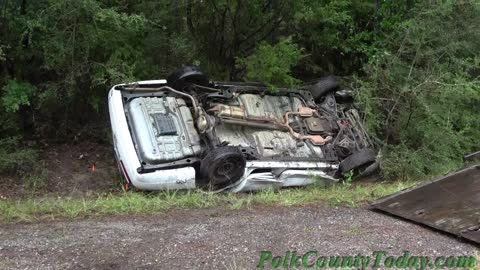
(324, 86)
(344, 96)
(222, 166)
(359, 160)
(370, 169)
(185, 76)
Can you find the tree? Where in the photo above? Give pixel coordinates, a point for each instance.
(229, 29)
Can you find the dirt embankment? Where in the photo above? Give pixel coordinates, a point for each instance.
(67, 170)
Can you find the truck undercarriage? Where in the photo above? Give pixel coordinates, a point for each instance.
(230, 131)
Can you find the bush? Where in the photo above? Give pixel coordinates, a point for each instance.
(419, 88)
(271, 64)
(422, 91)
(16, 94)
(14, 158)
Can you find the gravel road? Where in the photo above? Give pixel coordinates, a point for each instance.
(214, 239)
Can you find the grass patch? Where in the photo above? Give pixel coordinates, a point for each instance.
(49, 208)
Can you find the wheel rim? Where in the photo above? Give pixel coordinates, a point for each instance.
(228, 169)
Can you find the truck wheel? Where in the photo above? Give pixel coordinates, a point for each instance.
(359, 160)
(222, 166)
(344, 96)
(323, 87)
(185, 76)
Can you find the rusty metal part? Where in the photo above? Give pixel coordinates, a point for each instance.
(236, 115)
(238, 112)
(450, 203)
(228, 111)
(305, 112)
(267, 125)
(316, 125)
(202, 123)
(363, 140)
(317, 139)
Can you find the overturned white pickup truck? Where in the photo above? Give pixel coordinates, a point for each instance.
(187, 132)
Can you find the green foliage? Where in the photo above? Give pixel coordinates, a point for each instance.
(14, 157)
(226, 30)
(141, 203)
(422, 93)
(2, 53)
(337, 34)
(16, 94)
(35, 179)
(72, 51)
(272, 64)
(348, 178)
(416, 64)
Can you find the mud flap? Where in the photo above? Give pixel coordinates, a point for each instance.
(450, 204)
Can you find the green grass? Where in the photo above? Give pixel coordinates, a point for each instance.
(49, 208)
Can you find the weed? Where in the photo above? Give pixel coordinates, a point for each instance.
(36, 179)
(149, 203)
(348, 178)
(477, 261)
(14, 157)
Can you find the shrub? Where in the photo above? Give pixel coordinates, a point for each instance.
(16, 94)
(422, 91)
(14, 157)
(271, 64)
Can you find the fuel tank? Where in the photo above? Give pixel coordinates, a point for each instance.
(163, 129)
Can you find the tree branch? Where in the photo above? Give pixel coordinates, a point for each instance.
(190, 26)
